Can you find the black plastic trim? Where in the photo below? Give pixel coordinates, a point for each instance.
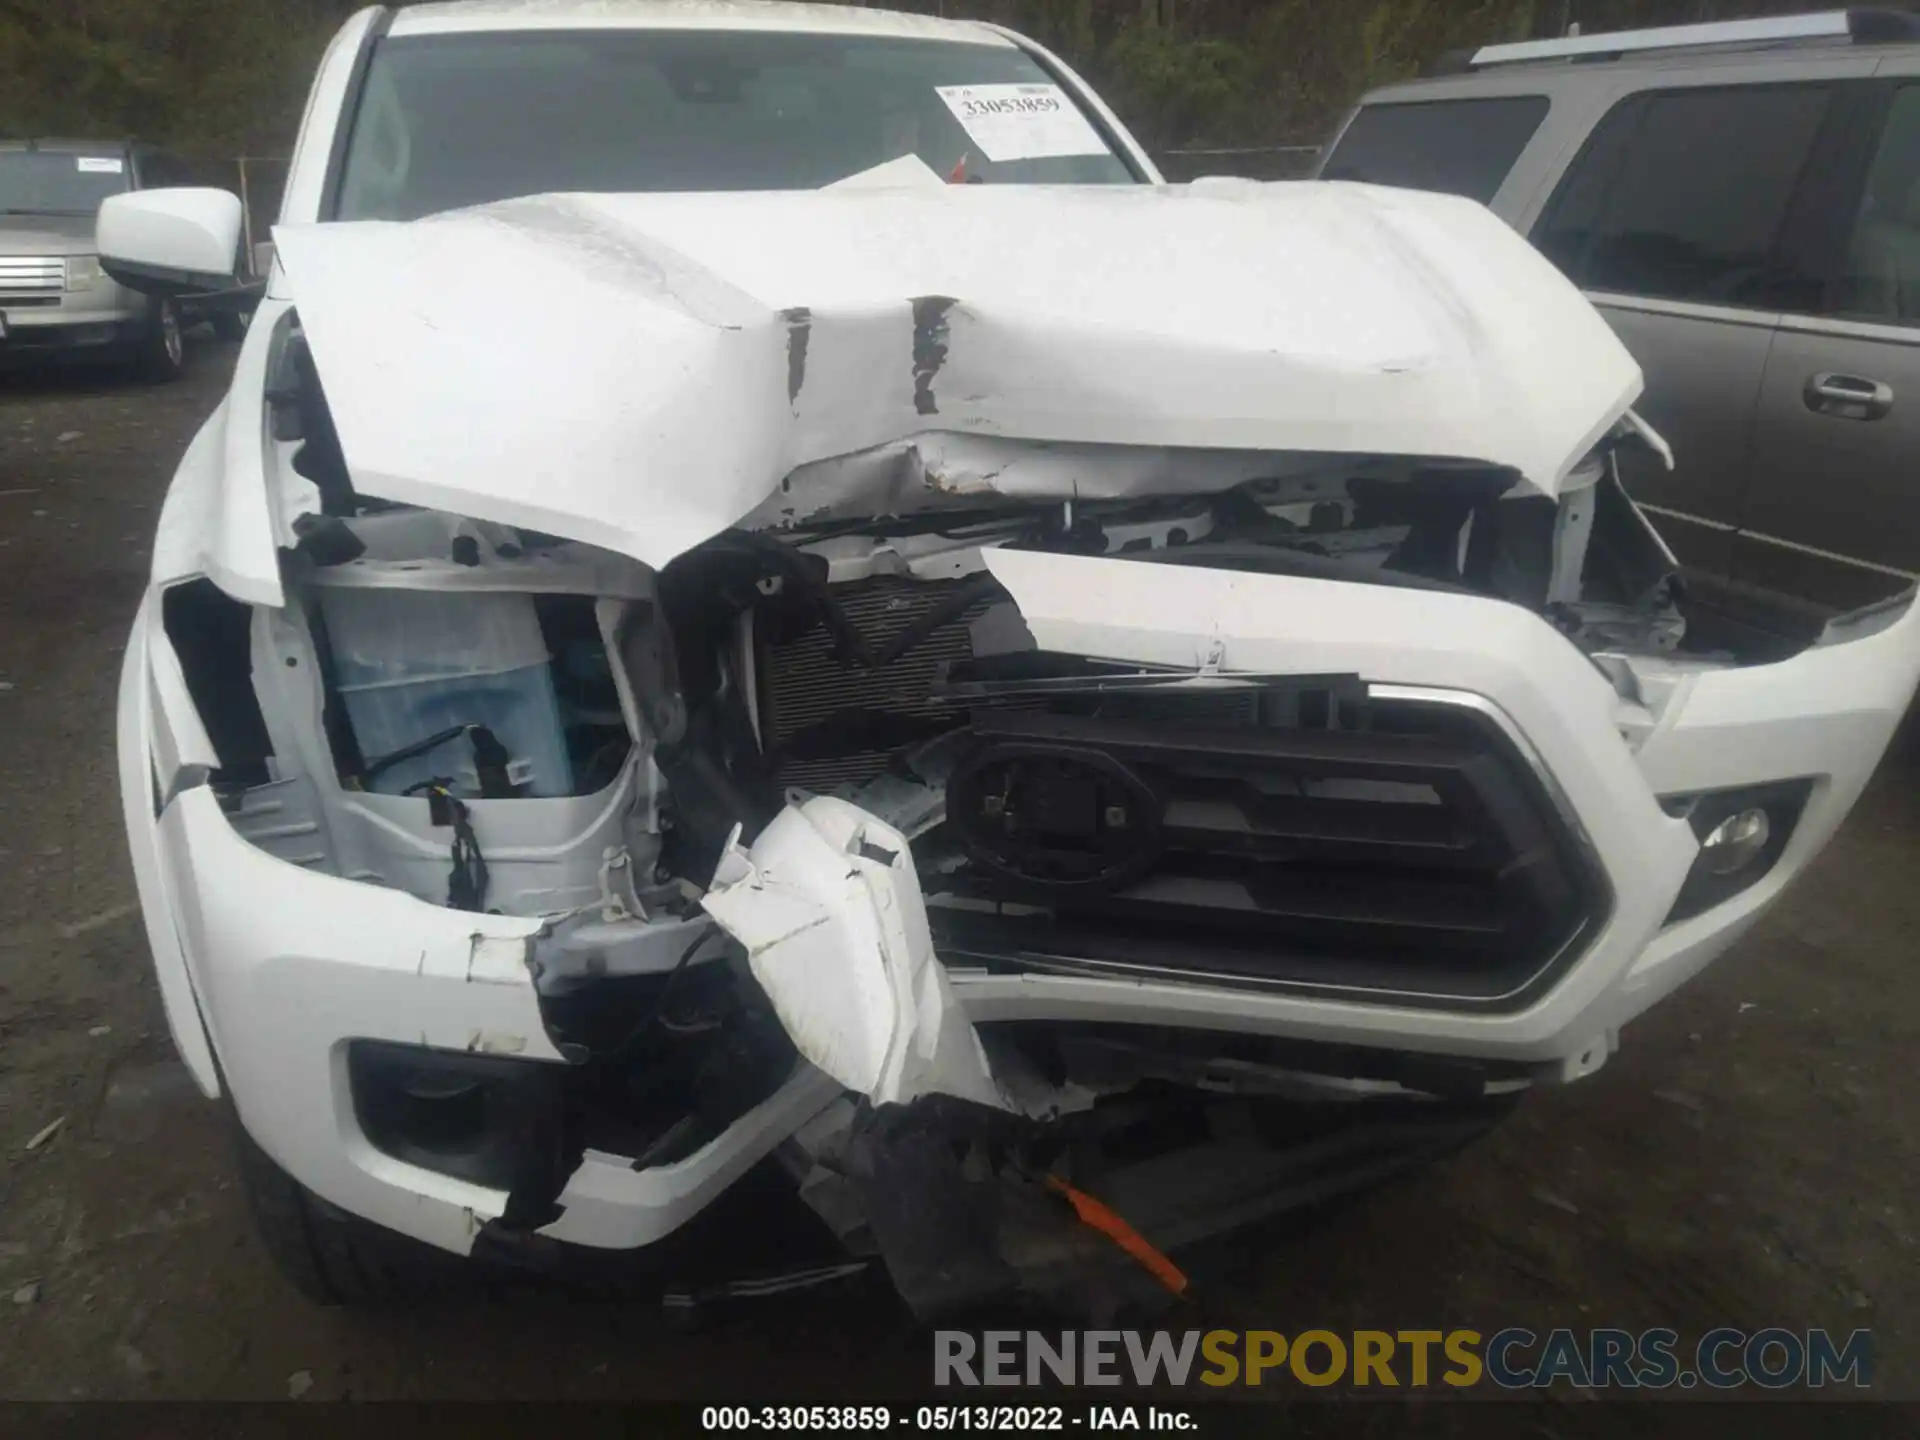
(516, 1138)
(1486, 780)
(1783, 800)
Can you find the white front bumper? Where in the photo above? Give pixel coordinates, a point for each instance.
(278, 968)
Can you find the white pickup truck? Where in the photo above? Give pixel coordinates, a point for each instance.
(764, 592)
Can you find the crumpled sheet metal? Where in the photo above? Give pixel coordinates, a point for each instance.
(828, 906)
(643, 371)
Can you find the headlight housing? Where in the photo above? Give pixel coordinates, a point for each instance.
(1742, 833)
(84, 272)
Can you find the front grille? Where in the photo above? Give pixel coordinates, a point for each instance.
(1298, 836)
(26, 275)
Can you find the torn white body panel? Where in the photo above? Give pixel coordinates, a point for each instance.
(679, 368)
(934, 467)
(828, 907)
(220, 519)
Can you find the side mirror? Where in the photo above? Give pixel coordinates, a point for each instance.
(170, 242)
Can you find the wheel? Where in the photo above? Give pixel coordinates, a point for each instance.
(331, 1257)
(162, 354)
(230, 324)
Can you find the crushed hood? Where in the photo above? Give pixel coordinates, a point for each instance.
(643, 371)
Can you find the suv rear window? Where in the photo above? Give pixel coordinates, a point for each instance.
(59, 182)
(1461, 147)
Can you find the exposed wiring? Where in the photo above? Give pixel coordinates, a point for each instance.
(1097, 1215)
(467, 881)
(413, 751)
(657, 1014)
(490, 759)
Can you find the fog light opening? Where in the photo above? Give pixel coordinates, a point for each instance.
(1741, 833)
(489, 1119)
(1736, 842)
(440, 1113)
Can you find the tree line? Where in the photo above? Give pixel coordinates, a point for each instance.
(221, 78)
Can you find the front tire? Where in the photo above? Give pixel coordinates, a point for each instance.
(162, 355)
(331, 1257)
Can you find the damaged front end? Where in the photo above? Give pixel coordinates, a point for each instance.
(1047, 849)
(756, 805)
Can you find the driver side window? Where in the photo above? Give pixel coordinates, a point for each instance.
(1682, 195)
(1879, 275)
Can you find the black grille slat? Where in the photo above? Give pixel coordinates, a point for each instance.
(1408, 759)
(1302, 838)
(1405, 907)
(1301, 843)
(1227, 811)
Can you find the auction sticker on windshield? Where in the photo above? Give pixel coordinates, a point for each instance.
(1021, 122)
(99, 164)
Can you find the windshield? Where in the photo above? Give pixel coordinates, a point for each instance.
(58, 182)
(452, 120)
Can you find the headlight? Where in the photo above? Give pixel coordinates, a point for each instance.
(1736, 842)
(1741, 834)
(84, 271)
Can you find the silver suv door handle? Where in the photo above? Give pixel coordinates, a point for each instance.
(1848, 397)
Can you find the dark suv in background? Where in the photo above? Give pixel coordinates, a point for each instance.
(1742, 201)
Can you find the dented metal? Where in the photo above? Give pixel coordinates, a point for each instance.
(681, 374)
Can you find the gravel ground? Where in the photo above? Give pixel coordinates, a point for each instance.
(1745, 1160)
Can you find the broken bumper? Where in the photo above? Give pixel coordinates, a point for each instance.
(281, 969)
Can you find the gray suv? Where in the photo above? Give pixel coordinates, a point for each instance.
(1742, 202)
(54, 298)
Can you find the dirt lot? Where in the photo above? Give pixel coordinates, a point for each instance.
(1747, 1159)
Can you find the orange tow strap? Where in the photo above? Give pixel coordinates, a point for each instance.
(1108, 1222)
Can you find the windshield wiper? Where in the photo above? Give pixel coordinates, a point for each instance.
(6, 210)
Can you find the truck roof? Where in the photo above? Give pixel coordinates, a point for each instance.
(1768, 33)
(476, 16)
